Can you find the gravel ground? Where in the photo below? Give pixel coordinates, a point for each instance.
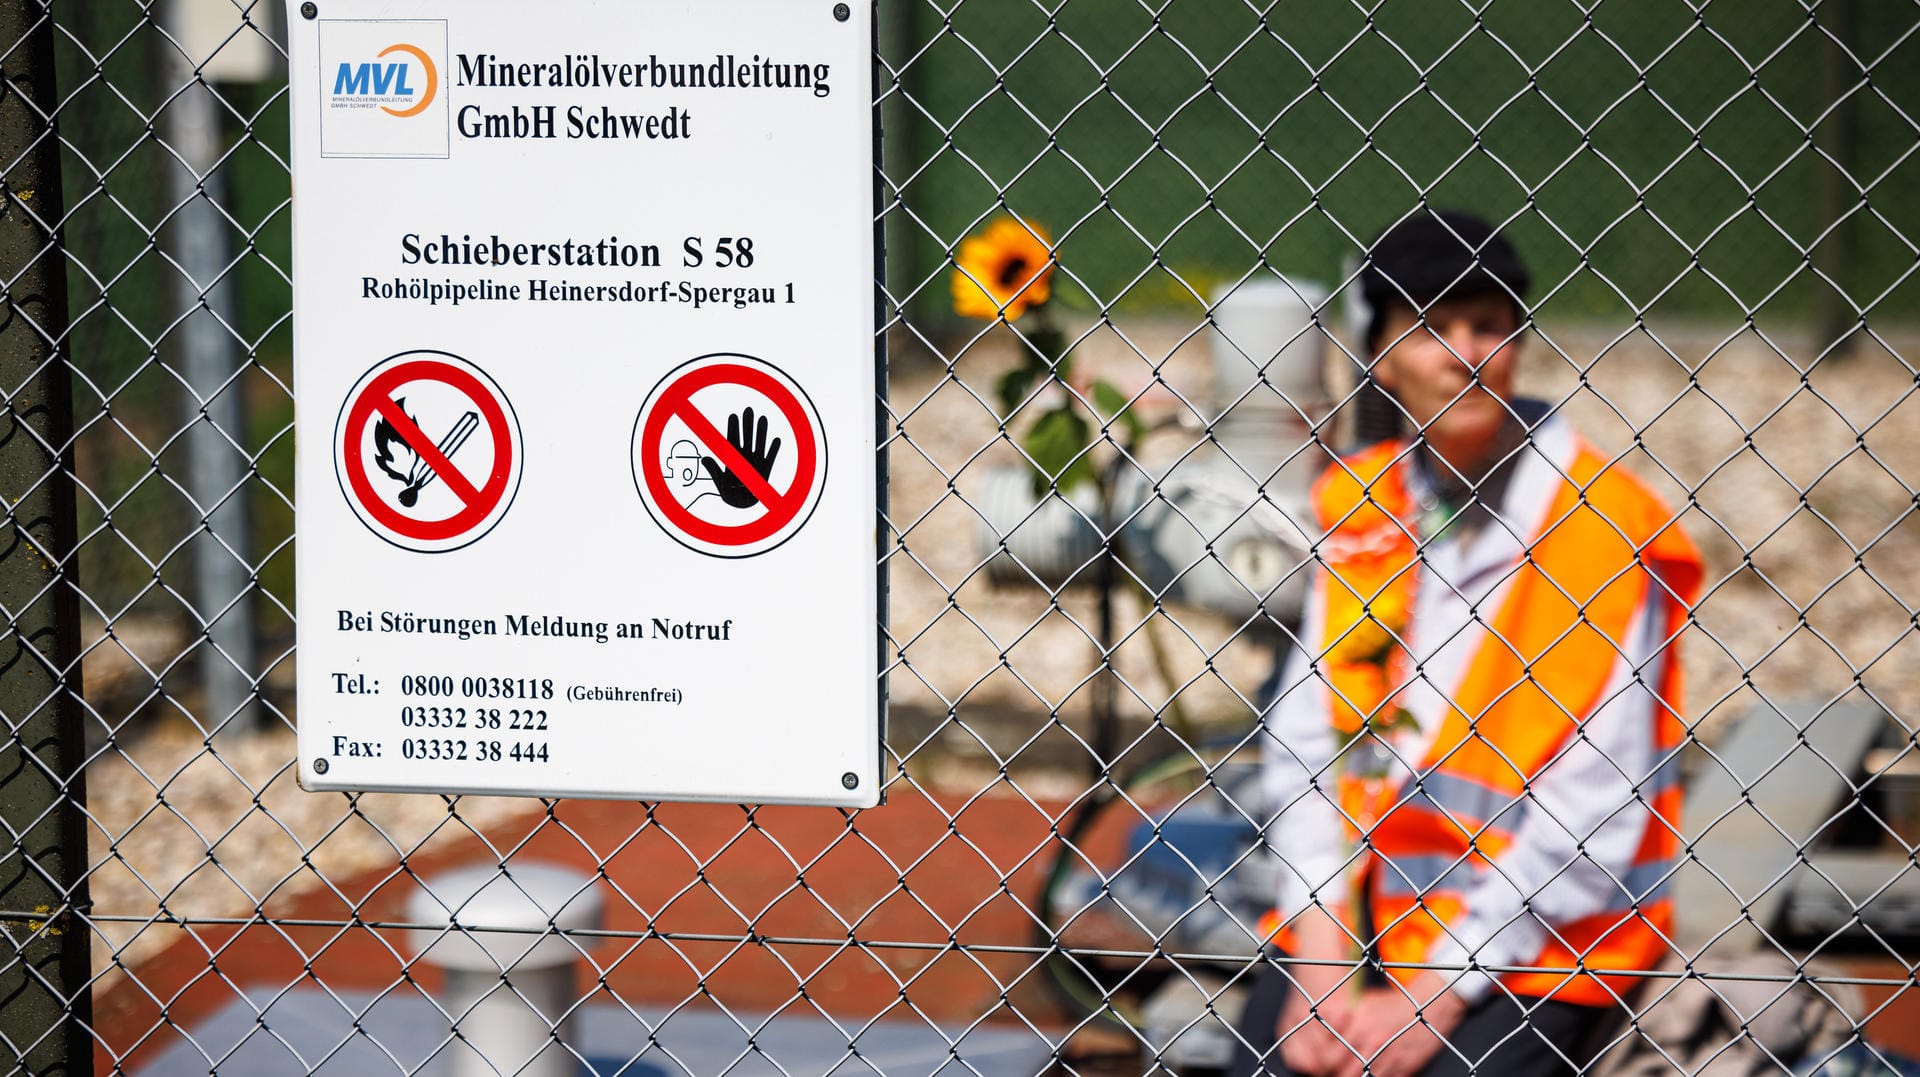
(1798, 485)
(179, 830)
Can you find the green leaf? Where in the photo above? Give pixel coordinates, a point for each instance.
(1062, 367)
(1015, 385)
(1057, 443)
(1111, 404)
(1042, 358)
(1047, 346)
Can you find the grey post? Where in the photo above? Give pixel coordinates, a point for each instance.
(212, 409)
(45, 971)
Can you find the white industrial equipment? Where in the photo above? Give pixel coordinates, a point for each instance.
(509, 968)
(1226, 526)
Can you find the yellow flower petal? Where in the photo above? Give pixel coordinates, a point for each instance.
(1358, 690)
(1390, 608)
(1367, 641)
(1004, 270)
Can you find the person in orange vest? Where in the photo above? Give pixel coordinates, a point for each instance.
(1471, 758)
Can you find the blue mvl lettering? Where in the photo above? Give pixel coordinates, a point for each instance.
(381, 80)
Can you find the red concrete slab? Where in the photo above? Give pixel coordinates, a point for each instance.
(920, 877)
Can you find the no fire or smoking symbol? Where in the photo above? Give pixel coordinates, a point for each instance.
(428, 451)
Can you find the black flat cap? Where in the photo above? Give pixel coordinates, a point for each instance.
(1439, 254)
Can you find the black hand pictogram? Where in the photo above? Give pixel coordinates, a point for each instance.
(750, 441)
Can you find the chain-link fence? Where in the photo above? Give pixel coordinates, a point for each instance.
(1139, 650)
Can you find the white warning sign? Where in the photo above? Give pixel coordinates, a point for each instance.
(588, 473)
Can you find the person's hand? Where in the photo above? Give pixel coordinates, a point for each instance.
(1395, 1032)
(1319, 1009)
(750, 441)
(1309, 1043)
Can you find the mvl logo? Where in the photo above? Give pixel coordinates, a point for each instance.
(390, 80)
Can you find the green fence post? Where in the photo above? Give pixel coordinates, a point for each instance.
(45, 966)
(1834, 323)
(899, 124)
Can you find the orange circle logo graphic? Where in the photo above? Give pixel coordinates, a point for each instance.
(433, 80)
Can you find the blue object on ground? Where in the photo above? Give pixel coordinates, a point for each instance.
(311, 1030)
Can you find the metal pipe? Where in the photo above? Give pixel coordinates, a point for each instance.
(507, 993)
(212, 401)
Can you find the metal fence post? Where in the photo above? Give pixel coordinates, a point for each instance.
(213, 408)
(45, 972)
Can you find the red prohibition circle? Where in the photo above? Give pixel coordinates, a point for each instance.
(675, 400)
(482, 501)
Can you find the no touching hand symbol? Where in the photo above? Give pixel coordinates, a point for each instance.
(750, 441)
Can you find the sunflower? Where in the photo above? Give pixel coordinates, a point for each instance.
(1367, 642)
(1358, 691)
(1378, 626)
(1008, 267)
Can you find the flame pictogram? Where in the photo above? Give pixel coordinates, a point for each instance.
(387, 443)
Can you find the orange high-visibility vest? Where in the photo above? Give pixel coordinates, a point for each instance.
(1608, 546)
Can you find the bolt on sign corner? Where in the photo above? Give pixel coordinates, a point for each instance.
(586, 363)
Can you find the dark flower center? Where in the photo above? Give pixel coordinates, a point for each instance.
(1014, 272)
